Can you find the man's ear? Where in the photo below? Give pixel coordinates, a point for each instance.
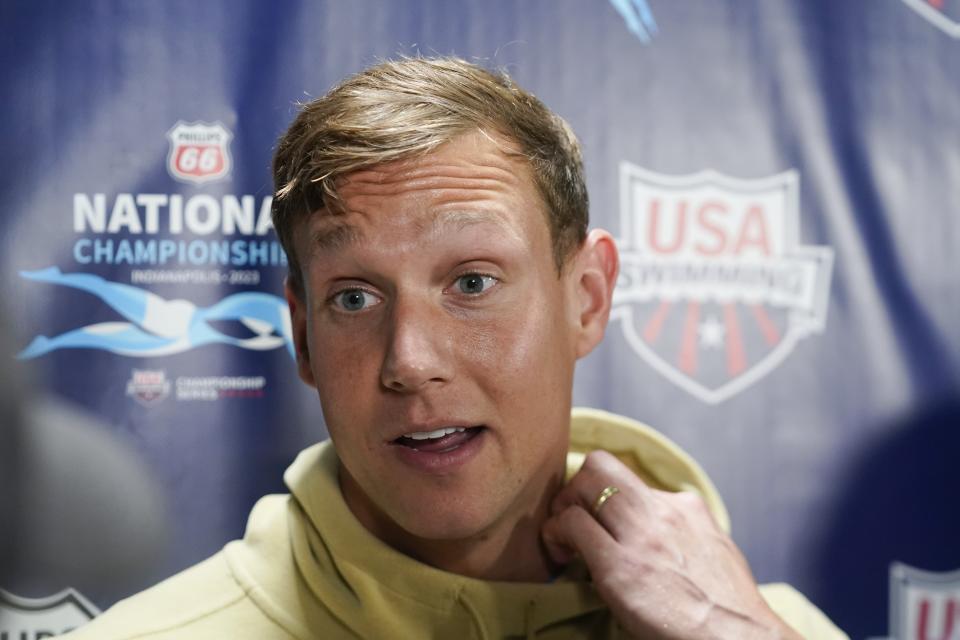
(297, 303)
(595, 270)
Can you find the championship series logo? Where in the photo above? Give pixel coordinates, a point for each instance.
(199, 152)
(715, 289)
(924, 605)
(943, 14)
(148, 387)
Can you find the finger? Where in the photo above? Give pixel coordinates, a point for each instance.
(609, 491)
(574, 531)
(568, 496)
(599, 470)
(608, 514)
(559, 551)
(607, 470)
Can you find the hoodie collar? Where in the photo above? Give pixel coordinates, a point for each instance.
(354, 573)
(376, 591)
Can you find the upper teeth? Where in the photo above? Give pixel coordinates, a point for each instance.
(439, 433)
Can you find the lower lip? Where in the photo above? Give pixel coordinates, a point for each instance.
(441, 462)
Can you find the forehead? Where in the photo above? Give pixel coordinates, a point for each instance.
(477, 161)
(474, 179)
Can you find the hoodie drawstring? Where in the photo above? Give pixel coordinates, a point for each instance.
(482, 632)
(531, 631)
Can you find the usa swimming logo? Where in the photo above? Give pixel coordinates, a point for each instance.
(715, 289)
(943, 14)
(199, 151)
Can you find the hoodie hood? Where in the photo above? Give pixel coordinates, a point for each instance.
(656, 459)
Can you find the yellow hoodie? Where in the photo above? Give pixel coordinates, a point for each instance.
(306, 568)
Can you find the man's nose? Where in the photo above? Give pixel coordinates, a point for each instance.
(418, 348)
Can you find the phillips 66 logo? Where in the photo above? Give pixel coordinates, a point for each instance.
(199, 152)
(715, 289)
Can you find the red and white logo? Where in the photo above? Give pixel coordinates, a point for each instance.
(148, 387)
(715, 289)
(924, 605)
(943, 14)
(199, 152)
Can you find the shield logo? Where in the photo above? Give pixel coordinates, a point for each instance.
(43, 617)
(148, 387)
(944, 14)
(715, 289)
(199, 152)
(924, 605)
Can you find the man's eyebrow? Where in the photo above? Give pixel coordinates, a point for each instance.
(335, 237)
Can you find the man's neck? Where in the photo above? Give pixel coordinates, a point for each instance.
(511, 550)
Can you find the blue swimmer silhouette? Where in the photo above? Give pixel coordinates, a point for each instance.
(639, 18)
(159, 327)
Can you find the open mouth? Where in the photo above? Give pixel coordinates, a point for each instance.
(440, 440)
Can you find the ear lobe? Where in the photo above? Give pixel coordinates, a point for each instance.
(598, 264)
(298, 324)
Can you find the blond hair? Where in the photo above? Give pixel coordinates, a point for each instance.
(405, 108)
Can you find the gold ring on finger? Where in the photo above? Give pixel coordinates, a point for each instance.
(605, 495)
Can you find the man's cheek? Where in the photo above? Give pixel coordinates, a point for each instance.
(504, 344)
(523, 340)
(345, 378)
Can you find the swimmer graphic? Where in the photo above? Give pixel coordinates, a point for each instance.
(159, 327)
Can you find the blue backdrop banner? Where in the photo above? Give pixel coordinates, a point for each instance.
(782, 177)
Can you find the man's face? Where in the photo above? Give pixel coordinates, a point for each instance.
(433, 305)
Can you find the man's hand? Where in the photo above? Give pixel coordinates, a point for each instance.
(658, 559)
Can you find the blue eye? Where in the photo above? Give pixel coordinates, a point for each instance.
(474, 283)
(354, 299)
